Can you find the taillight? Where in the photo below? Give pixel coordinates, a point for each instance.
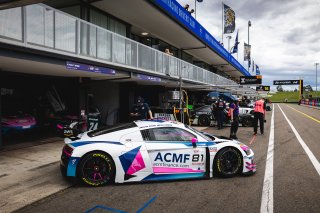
(67, 150)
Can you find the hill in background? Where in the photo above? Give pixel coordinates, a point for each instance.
(291, 96)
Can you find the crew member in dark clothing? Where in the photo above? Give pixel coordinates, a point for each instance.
(214, 111)
(141, 110)
(259, 114)
(220, 113)
(234, 113)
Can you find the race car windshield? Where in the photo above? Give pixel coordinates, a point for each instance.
(106, 130)
(199, 133)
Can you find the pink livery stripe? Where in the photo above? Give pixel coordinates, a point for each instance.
(173, 170)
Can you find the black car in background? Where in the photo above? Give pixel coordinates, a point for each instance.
(203, 116)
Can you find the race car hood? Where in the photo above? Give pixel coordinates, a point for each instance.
(223, 140)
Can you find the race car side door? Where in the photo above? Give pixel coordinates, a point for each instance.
(174, 153)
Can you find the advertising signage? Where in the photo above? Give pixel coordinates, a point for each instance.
(70, 65)
(263, 88)
(148, 78)
(251, 79)
(286, 82)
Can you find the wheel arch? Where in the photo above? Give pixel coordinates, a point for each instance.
(92, 151)
(214, 172)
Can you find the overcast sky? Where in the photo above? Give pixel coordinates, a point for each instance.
(284, 36)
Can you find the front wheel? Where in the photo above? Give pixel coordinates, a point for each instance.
(228, 162)
(96, 169)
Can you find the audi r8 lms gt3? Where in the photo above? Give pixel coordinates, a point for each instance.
(152, 150)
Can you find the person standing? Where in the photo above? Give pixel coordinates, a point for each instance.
(220, 113)
(259, 114)
(234, 113)
(141, 110)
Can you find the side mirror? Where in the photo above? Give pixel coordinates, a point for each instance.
(194, 142)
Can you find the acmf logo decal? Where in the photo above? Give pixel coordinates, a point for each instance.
(172, 157)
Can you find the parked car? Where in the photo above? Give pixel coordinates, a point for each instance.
(17, 123)
(151, 151)
(202, 116)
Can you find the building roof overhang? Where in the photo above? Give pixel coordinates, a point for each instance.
(164, 21)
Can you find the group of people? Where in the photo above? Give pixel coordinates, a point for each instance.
(233, 113)
(186, 7)
(141, 111)
(259, 115)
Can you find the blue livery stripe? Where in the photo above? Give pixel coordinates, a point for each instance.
(174, 176)
(186, 143)
(76, 144)
(127, 158)
(72, 166)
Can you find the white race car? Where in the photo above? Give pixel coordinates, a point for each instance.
(152, 150)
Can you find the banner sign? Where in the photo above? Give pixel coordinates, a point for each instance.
(286, 82)
(229, 19)
(89, 68)
(164, 116)
(251, 79)
(257, 70)
(148, 78)
(247, 52)
(263, 88)
(175, 10)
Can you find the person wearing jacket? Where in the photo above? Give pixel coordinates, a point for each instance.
(220, 113)
(259, 114)
(234, 118)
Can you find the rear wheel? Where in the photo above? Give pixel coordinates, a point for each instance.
(204, 120)
(247, 122)
(228, 162)
(96, 169)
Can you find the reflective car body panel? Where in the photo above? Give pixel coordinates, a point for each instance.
(17, 123)
(155, 150)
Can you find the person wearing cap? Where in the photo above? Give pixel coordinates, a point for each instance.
(259, 114)
(141, 110)
(234, 118)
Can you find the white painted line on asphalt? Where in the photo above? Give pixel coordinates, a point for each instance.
(267, 191)
(311, 156)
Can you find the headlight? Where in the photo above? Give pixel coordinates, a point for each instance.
(246, 149)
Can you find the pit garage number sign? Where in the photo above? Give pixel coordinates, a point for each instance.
(263, 88)
(251, 79)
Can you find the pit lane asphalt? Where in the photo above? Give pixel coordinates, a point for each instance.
(296, 182)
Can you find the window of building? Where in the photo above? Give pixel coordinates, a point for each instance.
(107, 22)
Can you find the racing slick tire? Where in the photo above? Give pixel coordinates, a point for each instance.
(96, 169)
(204, 120)
(228, 162)
(246, 122)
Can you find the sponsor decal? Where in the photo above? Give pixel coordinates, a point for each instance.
(73, 161)
(172, 157)
(213, 149)
(175, 160)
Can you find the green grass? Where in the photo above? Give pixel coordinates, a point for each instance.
(291, 96)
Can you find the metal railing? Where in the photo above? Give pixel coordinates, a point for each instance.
(45, 28)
